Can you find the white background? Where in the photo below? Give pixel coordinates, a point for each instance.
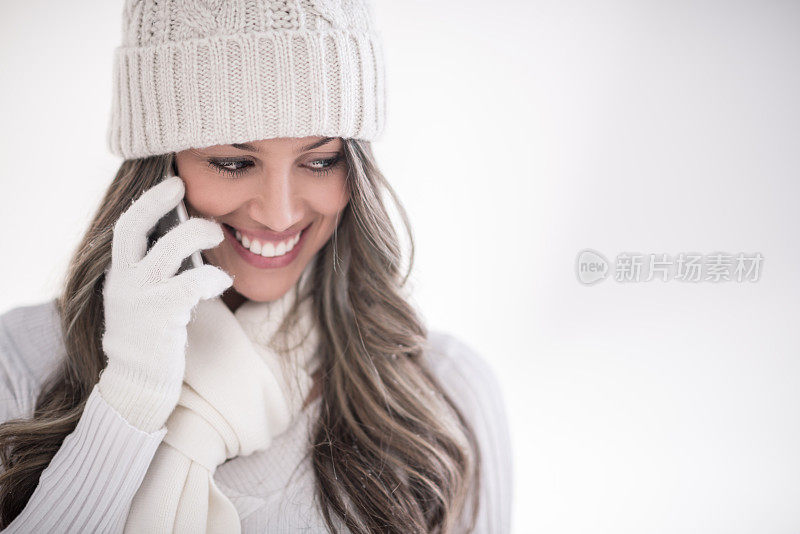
(518, 134)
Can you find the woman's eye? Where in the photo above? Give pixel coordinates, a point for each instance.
(232, 167)
(319, 166)
(324, 166)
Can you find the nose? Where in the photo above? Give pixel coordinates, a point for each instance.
(275, 203)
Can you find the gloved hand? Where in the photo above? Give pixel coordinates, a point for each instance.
(147, 306)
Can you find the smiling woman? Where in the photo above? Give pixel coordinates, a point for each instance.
(288, 383)
(279, 210)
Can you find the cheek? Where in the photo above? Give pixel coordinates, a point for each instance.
(207, 197)
(329, 198)
(204, 197)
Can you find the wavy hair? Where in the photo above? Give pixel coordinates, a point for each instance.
(391, 451)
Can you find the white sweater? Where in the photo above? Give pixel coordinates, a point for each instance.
(91, 480)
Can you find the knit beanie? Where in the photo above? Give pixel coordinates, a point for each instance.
(198, 73)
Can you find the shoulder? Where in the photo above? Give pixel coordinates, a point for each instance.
(464, 372)
(472, 383)
(30, 347)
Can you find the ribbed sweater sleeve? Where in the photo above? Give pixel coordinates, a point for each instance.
(91, 480)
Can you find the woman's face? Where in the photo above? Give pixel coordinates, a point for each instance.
(270, 191)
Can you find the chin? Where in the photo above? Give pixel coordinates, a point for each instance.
(262, 292)
(263, 295)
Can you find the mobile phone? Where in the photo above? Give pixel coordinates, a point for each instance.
(169, 221)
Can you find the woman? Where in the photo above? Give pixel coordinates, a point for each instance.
(149, 398)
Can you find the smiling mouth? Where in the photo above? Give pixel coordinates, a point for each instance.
(267, 249)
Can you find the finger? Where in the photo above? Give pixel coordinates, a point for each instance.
(129, 243)
(204, 282)
(169, 251)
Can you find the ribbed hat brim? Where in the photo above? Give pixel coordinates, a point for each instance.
(233, 89)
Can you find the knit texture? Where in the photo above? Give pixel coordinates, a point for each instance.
(90, 482)
(193, 73)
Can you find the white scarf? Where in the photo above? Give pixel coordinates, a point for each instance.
(234, 400)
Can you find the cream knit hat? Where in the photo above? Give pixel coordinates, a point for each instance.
(197, 73)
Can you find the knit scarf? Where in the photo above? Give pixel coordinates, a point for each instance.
(235, 398)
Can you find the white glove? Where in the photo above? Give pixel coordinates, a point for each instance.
(147, 306)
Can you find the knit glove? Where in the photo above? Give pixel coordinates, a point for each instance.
(147, 306)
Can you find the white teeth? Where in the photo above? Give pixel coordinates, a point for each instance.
(268, 249)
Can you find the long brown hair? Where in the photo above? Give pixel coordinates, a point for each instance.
(391, 451)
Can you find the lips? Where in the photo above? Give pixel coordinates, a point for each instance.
(264, 262)
(262, 236)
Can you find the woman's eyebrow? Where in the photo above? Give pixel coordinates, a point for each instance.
(245, 146)
(315, 144)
